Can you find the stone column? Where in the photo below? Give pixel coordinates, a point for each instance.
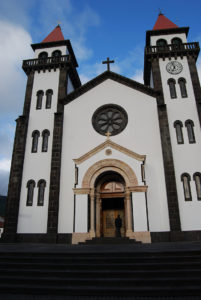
(98, 207)
(128, 213)
(92, 197)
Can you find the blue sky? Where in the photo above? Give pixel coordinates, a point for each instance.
(97, 29)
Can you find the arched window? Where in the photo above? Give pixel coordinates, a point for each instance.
(176, 42)
(171, 83)
(197, 179)
(162, 44)
(49, 94)
(178, 127)
(35, 136)
(45, 135)
(185, 178)
(56, 53)
(43, 57)
(41, 192)
(39, 99)
(182, 84)
(30, 192)
(189, 125)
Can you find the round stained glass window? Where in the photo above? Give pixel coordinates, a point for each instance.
(110, 118)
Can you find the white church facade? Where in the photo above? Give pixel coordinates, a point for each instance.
(84, 154)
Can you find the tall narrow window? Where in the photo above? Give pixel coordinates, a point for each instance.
(185, 178)
(45, 135)
(41, 192)
(49, 94)
(35, 136)
(182, 84)
(39, 99)
(189, 125)
(197, 179)
(178, 127)
(162, 44)
(30, 192)
(171, 83)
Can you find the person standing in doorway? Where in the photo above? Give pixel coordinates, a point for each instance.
(118, 224)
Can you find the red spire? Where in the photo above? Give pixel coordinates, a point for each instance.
(55, 35)
(163, 23)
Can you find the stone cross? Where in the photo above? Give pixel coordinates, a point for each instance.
(108, 134)
(108, 62)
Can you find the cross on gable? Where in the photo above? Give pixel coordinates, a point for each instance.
(108, 62)
(108, 134)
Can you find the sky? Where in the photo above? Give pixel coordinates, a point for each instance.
(97, 29)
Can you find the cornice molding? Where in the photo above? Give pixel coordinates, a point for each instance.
(113, 76)
(109, 143)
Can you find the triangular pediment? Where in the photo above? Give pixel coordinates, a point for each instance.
(109, 143)
(113, 76)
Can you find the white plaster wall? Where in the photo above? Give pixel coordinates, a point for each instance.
(139, 212)
(168, 38)
(186, 156)
(49, 50)
(33, 219)
(141, 135)
(81, 213)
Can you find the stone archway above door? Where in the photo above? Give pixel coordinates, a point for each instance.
(109, 165)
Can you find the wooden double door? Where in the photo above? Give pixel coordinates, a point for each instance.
(111, 208)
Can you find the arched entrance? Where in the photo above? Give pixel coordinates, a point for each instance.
(110, 195)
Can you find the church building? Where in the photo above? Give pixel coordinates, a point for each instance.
(84, 154)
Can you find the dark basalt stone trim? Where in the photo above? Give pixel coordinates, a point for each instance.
(149, 33)
(55, 44)
(15, 181)
(53, 209)
(110, 75)
(173, 206)
(60, 238)
(196, 84)
(176, 236)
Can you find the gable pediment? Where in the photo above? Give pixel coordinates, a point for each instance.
(111, 144)
(113, 76)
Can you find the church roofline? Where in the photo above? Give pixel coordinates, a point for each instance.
(114, 76)
(149, 33)
(55, 44)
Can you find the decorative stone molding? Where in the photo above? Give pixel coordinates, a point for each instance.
(80, 237)
(109, 165)
(109, 143)
(141, 236)
(139, 188)
(80, 191)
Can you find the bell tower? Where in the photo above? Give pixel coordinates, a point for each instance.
(33, 193)
(170, 68)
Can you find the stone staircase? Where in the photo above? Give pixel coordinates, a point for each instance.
(94, 271)
(110, 241)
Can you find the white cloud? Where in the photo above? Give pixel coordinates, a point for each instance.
(138, 76)
(15, 46)
(5, 164)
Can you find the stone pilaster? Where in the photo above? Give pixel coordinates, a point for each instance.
(16, 171)
(92, 227)
(170, 180)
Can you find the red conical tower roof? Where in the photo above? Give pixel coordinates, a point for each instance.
(54, 36)
(163, 23)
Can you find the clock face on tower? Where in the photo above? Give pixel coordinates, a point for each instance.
(174, 67)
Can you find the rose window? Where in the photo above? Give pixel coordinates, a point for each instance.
(109, 118)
